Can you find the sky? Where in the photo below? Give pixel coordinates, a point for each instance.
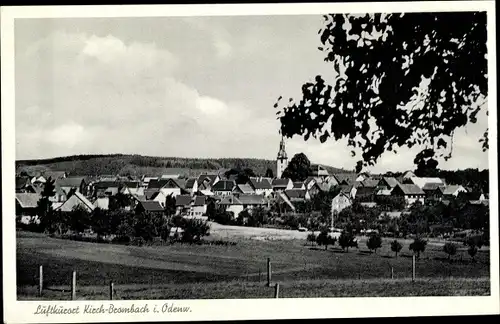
(179, 86)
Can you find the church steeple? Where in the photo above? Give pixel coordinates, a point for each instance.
(282, 151)
(282, 160)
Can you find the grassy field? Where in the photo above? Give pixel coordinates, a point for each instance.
(206, 271)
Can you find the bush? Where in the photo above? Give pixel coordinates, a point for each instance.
(311, 237)
(138, 241)
(374, 242)
(194, 230)
(396, 247)
(450, 249)
(472, 252)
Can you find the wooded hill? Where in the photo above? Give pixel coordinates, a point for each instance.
(137, 165)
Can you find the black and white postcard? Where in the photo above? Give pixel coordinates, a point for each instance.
(249, 161)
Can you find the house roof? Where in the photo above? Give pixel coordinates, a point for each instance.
(252, 199)
(74, 182)
(421, 181)
(260, 183)
(309, 179)
(78, 195)
(245, 188)
(151, 193)
(151, 206)
(384, 192)
(106, 184)
(391, 181)
(21, 182)
(224, 185)
(323, 186)
(345, 188)
(450, 190)
(485, 202)
(280, 183)
(431, 186)
(157, 183)
(210, 177)
(347, 177)
(296, 193)
(298, 185)
(475, 195)
(365, 191)
(190, 183)
(170, 176)
(28, 200)
(229, 200)
(200, 200)
(318, 170)
(287, 201)
(369, 183)
(411, 189)
(183, 200)
(131, 184)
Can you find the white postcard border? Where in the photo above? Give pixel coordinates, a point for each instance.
(235, 309)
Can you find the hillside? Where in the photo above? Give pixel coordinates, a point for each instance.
(144, 165)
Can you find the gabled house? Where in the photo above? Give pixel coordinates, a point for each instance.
(149, 206)
(77, 183)
(422, 181)
(365, 194)
(231, 204)
(105, 188)
(319, 171)
(410, 192)
(387, 183)
(199, 206)
(452, 191)
(280, 185)
(191, 185)
(433, 191)
(261, 186)
(345, 178)
(310, 182)
(77, 199)
(296, 195)
(207, 181)
(183, 204)
(172, 187)
(146, 179)
(299, 185)
(27, 206)
(251, 201)
(55, 175)
(223, 187)
(340, 202)
(243, 189)
(23, 185)
(132, 188)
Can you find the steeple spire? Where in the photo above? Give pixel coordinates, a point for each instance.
(282, 151)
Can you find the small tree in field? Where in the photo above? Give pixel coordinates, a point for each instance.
(346, 240)
(311, 237)
(418, 246)
(325, 239)
(472, 252)
(450, 249)
(396, 247)
(374, 242)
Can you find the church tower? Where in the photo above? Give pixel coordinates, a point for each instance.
(282, 160)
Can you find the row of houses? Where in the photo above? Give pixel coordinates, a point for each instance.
(193, 194)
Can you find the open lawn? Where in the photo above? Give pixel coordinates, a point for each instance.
(240, 271)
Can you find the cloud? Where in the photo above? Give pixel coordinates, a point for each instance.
(80, 93)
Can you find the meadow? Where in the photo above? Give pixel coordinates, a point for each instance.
(183, 271)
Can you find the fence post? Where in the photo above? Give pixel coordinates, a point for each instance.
(269, 272)
(111, 290)
(392, 273)
(73, 286)
(40, 281)
(413, 268)
(276, 290)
